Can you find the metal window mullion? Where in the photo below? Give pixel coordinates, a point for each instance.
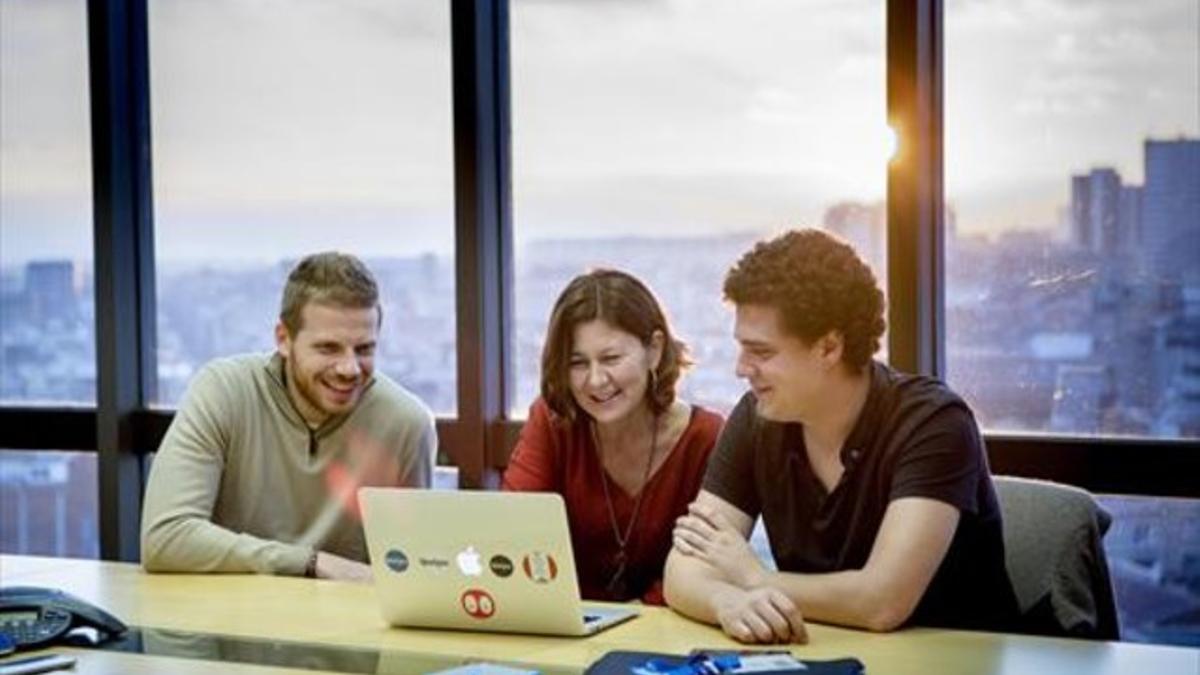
(916, 276)
(124, 259)
(50, 429)
(482, 232)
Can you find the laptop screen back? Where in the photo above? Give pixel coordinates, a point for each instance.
(493, 561)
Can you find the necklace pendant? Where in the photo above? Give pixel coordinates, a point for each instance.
(616, 583)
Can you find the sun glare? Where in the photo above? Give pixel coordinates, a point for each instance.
(859, 166)
(889, 143)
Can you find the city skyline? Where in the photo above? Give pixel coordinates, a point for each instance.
(1063, 229)
(1106, 344)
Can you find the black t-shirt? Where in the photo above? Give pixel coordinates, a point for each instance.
(913, 438)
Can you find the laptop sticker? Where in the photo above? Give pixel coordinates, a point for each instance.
(501, 566)
(396, 560)
(477, 603)
(540, 567)
(436, 564)
(469, 562)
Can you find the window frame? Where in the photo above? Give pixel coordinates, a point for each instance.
(124, 429)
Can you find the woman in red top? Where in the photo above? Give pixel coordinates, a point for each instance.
(609, 435)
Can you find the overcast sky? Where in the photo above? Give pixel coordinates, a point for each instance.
(281, 126)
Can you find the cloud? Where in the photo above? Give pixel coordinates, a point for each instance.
(311, 105)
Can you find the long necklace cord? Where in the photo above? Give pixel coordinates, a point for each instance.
(623, 540)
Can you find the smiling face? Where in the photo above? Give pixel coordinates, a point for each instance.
(609, 370)
(330, 359)
(786, 375)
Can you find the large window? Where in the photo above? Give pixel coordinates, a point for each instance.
(286, 129)
(669, 140)
(1153, 550)
(661, 137)
(47, 327)
(48, 504)
(1073, 179)
(1073, 280)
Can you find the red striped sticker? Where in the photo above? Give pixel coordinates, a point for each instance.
(540, 567)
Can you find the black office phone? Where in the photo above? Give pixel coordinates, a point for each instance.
(35, 617)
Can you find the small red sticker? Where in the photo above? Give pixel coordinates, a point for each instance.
(540, 567)
(477, 603)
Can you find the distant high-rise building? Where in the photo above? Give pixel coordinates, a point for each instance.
(1081, 232)
(1095, 211)
(1171, 209)
(1177, 361)
(50, 289)
(864, 226)
(1129, 218)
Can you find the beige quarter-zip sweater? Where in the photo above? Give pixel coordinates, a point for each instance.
(241, 484)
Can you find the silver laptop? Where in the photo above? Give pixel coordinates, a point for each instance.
(486, 561)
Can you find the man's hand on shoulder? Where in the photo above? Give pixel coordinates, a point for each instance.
(762, 615)
(330, 566)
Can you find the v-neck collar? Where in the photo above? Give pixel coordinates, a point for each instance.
(619, 492)
(857, 444)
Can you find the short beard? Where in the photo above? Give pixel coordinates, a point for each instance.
(305, 393)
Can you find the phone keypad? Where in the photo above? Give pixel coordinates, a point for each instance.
(50, 623)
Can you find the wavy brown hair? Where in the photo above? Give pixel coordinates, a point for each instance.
(818, 284)
(625, 303)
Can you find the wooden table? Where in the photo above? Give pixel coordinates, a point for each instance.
(346, 615)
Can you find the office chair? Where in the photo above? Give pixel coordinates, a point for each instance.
(1055, 556)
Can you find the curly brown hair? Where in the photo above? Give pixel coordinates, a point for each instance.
(818, 284)
(625, 303)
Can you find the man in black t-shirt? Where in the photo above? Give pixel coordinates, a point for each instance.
(873, 485)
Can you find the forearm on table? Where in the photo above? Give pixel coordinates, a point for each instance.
(192, 544)
(854, 598)
(693, 587)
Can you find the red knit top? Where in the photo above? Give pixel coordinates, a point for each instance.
(553, 456)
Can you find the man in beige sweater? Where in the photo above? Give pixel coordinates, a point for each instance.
(260, 468)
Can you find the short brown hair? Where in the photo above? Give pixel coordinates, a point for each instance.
(329, 278)
(818, 284)
(624, 302)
